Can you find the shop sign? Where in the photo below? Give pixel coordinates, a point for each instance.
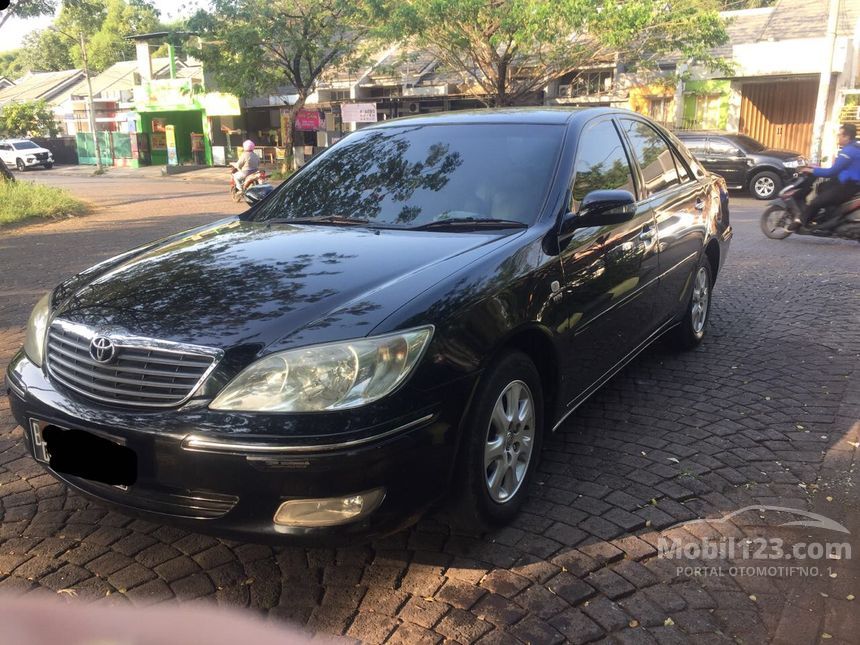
(170, 133)
(358, 112)
(308, 120)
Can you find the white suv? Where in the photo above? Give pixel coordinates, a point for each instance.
(24, 154)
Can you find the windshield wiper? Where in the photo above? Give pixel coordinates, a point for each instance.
(332, 220)
(470, 222)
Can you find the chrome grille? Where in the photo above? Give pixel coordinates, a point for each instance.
(144, 372)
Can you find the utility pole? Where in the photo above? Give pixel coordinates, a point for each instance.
(824, 82)
(91, 105)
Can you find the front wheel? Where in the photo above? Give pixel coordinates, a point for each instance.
(765, 185)
(235, 194)
(20, 165)
(48, 166)
(775, 221)
(502, 446)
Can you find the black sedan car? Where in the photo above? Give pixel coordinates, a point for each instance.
(743, 162)
(413, 310)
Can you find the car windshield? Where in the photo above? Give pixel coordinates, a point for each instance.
(749, 144)
(25, 145)
(411, 176)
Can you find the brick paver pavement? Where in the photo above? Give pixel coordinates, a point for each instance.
(764, 413)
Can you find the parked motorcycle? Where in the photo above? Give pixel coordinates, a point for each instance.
(256, 178)
(842, 221)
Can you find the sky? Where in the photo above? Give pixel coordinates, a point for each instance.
(14, 31)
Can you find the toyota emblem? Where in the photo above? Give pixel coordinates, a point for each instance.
(102, 349)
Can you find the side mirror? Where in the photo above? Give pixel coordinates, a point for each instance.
(601, 208)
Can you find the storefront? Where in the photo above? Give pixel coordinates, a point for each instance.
(178, 117)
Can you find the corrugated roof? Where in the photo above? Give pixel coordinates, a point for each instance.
(117, 77)
(788, 20)
(40, 85)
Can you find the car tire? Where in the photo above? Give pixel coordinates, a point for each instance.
(48, 166)
(19, 163)
(691, 330)
(501, 447)
(765, 185)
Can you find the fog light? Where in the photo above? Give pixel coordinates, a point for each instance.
(329, 511)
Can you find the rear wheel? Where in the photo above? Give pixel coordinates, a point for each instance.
(502, 446)
(691, 331)
(765, 185)
(775, 221)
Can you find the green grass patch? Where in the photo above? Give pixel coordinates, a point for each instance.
(24, 200)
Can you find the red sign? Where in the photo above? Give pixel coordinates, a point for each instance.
(308, 120)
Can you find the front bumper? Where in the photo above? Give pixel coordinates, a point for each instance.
(30, 163)
(215, 473)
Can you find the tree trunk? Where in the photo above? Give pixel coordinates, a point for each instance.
(4, 172)
(291, 131)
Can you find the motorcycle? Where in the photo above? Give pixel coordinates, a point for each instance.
(256, 178)
(842, 221)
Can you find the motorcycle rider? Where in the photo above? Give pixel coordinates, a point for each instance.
(843, 176)
(248, 162)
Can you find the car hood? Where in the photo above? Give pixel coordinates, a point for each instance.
(248, 284)
(785, 155)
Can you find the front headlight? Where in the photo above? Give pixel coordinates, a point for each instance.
(31, 159)
(34, 340)
(794, 163)
(335, 376)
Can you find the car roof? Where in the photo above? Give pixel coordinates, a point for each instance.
(525, 115)
(14, 140)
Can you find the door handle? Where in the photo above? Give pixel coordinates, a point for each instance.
(700, 204)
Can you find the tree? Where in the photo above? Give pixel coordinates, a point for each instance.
(12, 66)
(26, 9)
(255, 46)
(511, 49)
(105, 24)
(22, 9)
(28, 119)
(123, 18)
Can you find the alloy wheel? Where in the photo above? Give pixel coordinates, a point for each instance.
(764, 187)
(509, 442)
(699, 311)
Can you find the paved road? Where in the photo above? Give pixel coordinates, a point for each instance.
(764, 413)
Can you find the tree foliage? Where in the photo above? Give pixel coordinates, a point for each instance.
(11, 64)
(255, 46)
(26, 9)
(104, 23)
(28, 119)
(510, 49)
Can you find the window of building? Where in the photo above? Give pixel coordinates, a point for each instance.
(653, 154)
(662, 109)
(708, 111)
(586, 84)
(601, 163)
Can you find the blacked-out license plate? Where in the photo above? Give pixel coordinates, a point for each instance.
(83, 454)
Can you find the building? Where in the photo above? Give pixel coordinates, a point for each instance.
(40, 86)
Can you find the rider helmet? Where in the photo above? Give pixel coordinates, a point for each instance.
(248, 145)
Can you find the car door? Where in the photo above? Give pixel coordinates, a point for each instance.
(5, 153)
(727, 160)
(679, 202)
(609, 272)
